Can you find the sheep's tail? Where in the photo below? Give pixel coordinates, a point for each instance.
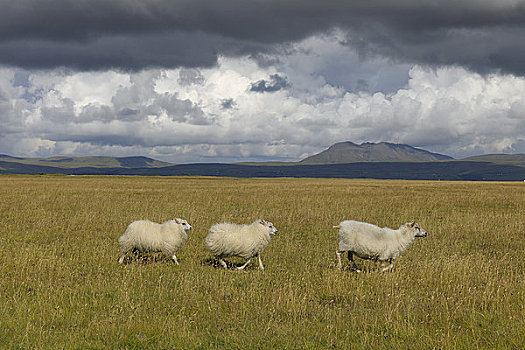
(337, 227)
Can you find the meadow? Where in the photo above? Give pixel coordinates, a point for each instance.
(61, 287)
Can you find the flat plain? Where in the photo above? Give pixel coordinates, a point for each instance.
(61, 286)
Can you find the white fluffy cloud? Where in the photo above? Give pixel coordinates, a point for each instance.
(306, 100)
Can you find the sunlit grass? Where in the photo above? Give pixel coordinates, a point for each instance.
(62, 287)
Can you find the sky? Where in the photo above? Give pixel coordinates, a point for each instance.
(189, 81)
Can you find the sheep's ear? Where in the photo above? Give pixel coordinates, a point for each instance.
(411, 224)
(178, 220)
(261, 221)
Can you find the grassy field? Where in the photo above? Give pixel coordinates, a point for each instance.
(462, 287)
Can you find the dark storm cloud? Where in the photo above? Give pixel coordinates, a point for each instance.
(133, 52)
(130, 34)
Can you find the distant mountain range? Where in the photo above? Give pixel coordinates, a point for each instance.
(96, 161)
(342, 160)
(513, 159)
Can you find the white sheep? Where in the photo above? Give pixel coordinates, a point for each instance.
(245, 241)
(147, 236)
(369, 241)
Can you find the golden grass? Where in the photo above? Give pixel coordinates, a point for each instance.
(462, 287)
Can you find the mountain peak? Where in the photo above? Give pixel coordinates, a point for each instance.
(349, 152)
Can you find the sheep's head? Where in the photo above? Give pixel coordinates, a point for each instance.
(416, 229)
(269, 225)
(184, 223)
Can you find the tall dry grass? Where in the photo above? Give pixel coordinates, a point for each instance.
(462, 287)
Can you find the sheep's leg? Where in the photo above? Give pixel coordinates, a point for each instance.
(175, 259)
(389, 266)
(243, 266)
(339, 264)
(223, 263)
(260, 262)
(351, 258)
(121, 259)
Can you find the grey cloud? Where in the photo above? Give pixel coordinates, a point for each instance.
(276, 83)
(484, 50)
(190, 76)
(132, 52)
(227, 103)
(91, 113)
(481, 34)
(21, 78)
(60, 114)
(11, 106)
(8, 118)
(178, 110)
(362, 85)
(127, 112)
(109, 138)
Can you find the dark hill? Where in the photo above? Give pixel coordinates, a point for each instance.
(445, 170)
(510, 159)
(348, 152)
(140, 162)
